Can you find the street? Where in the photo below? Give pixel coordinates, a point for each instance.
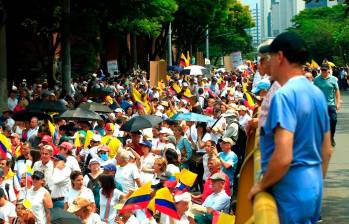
(336, 189)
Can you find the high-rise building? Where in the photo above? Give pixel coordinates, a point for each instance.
(282, 12)
(265, 12)
(321, 3)
(255, 32)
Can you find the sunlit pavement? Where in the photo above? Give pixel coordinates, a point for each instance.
(336, 190)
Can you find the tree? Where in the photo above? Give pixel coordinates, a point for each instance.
(226, 20)
(325, 31)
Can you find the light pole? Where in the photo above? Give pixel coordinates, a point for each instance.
(207, 44)
(169, 39)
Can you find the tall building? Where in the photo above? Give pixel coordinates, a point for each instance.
(265, 12)
(321, 3)
(282, 12)
(255, 32)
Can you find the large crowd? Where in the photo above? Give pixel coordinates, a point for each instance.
(90, 168)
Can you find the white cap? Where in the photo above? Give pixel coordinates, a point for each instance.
(160, 107)
(96, 138)
(94, 75)
(185, 84)
(118, 110)
(165, 130)
(182, 197)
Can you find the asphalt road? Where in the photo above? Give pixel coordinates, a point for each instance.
(336, 190)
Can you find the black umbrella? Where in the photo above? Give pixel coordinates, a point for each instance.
(96, 107)
(59, 216)
(141, 122)
(81, 115)
(47, 106)
(27, 114)
(99, 92)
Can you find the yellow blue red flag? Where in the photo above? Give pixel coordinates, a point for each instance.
(186, 179)
(164, 203)
(138, 199)
(54, 133)
(5, 146)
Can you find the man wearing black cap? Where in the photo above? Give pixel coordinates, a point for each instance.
(295, 138)
(329, 86)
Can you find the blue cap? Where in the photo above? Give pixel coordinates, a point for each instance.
(59, 157)
(110, 167)
(264, 84)
(146, 143)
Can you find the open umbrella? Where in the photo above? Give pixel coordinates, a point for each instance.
(59, 216)
(141, 122)
(191, 117)
(47, 106)
(96, 107)
(99, 92)
(195, 70)
(80, 114)
(27, 114)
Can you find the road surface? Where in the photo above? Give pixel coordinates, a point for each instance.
(336, 190)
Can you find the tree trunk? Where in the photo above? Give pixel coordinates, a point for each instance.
(3, 69)
(134, 50)
(66, 61)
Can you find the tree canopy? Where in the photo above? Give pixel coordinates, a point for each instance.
(326, 31)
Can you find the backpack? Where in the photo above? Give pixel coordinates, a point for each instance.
(95, 187)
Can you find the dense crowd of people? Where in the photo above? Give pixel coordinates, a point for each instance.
(89, 167)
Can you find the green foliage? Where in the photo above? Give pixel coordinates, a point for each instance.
(142, 17)
(326, 31)
(226, 20)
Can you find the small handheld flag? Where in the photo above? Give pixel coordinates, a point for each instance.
(54, 133)
(5, 146)
(186, 179)
(138, 199)
(164, 203)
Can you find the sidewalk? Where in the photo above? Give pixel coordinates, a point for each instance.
(336, 190)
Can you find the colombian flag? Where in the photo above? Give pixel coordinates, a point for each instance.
(164, 203)
(138, 199)
(138, 98)
(249, 101)
(54, 133)
(185, 61)
(29, 171)
(4, 146)
(186, 179)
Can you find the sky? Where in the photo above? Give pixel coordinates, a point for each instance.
(250, 3)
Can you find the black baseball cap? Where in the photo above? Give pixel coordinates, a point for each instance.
(292, 45)
(38, 175)
(325, 66)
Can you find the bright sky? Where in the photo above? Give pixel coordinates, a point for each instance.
(251, 3)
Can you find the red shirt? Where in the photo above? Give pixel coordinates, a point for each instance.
(208, 186)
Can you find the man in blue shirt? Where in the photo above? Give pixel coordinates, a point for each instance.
(295, 139)
(228, 158)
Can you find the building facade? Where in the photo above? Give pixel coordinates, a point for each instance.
(282, 12)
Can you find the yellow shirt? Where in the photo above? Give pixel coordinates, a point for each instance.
(113, 143)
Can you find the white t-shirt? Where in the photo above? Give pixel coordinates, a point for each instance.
(60, 182)
(73, 194)
(147, 163)
(72, 163)
(93, 219)
(126, 176)
(165, 219)
(103, 202)
(204, 163)
(8, 211)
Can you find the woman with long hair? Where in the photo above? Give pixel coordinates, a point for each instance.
(109, 197)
